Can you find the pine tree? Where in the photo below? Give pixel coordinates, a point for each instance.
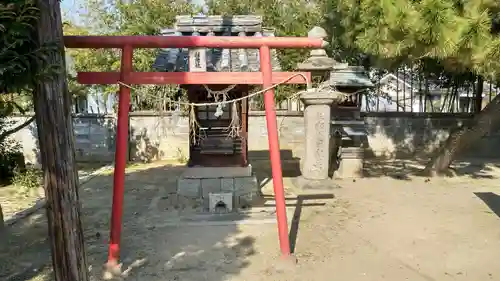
(459, 34)
(455, 36)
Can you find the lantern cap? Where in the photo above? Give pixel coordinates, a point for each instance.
(318, 61)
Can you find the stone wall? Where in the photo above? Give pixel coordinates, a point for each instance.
(407, 135)
(390, 135)
(154, 136)
(94, 138)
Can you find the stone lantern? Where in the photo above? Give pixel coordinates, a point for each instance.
(347, 124)
(341, 80)
(316, 161)
(318, 62)
(349, 80)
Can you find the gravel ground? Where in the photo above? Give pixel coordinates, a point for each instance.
(379, 228)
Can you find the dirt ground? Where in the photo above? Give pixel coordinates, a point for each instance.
(390, 226)
(14, 199)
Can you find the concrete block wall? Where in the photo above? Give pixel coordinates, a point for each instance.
(403, 137)
(155, 137)
(94, 138)
(406, 135)
(291, 134)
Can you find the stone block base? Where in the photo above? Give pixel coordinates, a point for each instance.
(307, 184)
(350, 168)
(244, 189)
(351, 163)
(217, 172)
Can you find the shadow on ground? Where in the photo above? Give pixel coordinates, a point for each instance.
(402, 169)
(24, 250)
(492, 200)
(299, 202)
(261, 165)
(170, 252)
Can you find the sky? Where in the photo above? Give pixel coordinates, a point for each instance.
(72, 8)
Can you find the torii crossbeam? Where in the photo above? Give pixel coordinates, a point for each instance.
(127, 76)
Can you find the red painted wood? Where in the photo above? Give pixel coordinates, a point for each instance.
(274, 151)
(96, 42)
(193, 78)
(120, 159)
(266, 78)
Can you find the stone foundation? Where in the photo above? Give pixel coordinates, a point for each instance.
(200, 182)
(351, 162)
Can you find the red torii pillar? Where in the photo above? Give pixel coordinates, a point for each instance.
(127, 76)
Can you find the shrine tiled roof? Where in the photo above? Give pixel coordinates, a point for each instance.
(217, 60)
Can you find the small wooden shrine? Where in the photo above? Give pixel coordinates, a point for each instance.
(218, 135)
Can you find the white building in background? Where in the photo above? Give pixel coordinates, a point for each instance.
(399, 92)
(394, 92)
(97, 103)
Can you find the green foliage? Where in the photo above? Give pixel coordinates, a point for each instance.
(448, 42)
(13, 103)
(458, 35)
(140, 17)
(146, 17)
(10, 158)
(286, 18)
(21, 59)
(27, 180)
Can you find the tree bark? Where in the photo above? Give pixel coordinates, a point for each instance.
(463, 137)
(478, 97)
(52, 104)
(2, 222)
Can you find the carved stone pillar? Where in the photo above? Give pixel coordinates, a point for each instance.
(316, 161)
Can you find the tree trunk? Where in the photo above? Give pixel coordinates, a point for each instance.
(478, 97)
(463, 137)
(56, 138)
(2, 222)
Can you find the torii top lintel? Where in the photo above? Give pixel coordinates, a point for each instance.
(192, 42)
(230, 42)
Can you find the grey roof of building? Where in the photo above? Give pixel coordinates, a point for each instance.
(176, 60)
(350, 76)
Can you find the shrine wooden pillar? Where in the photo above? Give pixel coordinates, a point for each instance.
(120, 155)
(274, 149)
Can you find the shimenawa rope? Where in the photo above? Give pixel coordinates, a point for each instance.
(234, 127)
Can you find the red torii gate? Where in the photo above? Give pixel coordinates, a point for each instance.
(127, 76)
